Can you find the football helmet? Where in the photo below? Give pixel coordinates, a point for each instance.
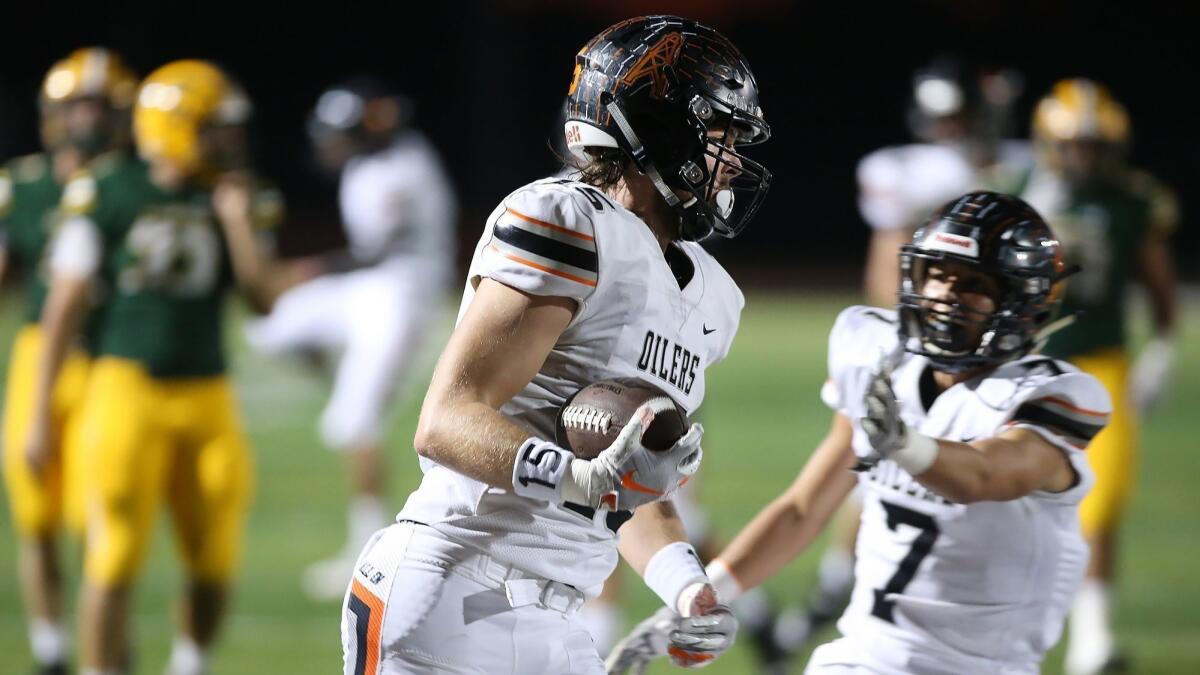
(943, 101)
(1080, 110)
(177, 105)
(90, 73)
(359, 116)
(364, 107)
(678, 99)
(1003, 237)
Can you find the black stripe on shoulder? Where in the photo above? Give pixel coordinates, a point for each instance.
(1046, 365)
(1071, 429)
(547, 247)
(879, 317)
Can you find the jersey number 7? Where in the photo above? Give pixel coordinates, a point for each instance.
(921, 546)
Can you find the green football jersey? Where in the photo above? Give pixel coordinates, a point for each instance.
(1102, 229)
(29, 197)
(164, 270)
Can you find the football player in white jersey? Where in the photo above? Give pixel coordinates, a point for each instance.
(970, 453)
(960, 121)
(373, 305)
(574, 282)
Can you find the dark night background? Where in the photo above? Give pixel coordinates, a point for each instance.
(488, 77)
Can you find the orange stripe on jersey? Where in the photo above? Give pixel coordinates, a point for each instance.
(1072, 408)
(552, 226)
(542, 268)
(1011, 425)
(374, 625)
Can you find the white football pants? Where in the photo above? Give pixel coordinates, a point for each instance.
(376, 319)
(420, 603)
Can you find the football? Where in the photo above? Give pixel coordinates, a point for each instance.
(595, 415)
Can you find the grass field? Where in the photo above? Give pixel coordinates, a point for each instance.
(763, 418)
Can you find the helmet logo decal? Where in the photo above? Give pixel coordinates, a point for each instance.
(578, 70)
(940, 241)
(654, 63)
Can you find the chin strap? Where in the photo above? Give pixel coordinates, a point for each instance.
(638, 152)
(639, 156)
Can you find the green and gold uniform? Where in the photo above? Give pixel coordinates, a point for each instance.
(160, 421)
(1103, 228)
(40, 503)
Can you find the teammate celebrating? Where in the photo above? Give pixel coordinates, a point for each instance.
(1115, 222)
(159, 419)
(574, 282)
(961, 119)
(374, 304)
(84, 103)
(969, 451)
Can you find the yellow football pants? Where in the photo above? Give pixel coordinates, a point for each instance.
(150, 440)
(41, 503)
(1112, 454)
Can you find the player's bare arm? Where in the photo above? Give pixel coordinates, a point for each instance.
(1008, 466)
(1152, 370)
(1159, 277)
(259, 275)
(882, 268)
(650, 529)
(787, 526)
(496, 350)
(66, 306)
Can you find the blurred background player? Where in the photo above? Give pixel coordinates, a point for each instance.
(962, 120)
(84, 107)
(1115, 222)
(159, 419)
(375, 302)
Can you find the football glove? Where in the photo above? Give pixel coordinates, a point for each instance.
(1151, 373)
(691, 642)
(887, 434)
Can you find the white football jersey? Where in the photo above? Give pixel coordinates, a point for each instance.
(899, 186)
(397, 204)
(942, 587)
(558, 237)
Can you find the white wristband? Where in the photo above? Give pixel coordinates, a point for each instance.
(671, 570)
(917, 455)
(722, 579)
(539, 470)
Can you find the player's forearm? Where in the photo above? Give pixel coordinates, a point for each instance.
(256, 273)
(990, 469)
(775, 537)
(62, 315)
(652, 527)
(788, 525)
(1159, 277)
(882, 274)
(471, 438)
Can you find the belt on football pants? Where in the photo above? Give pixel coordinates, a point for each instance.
(524, 591)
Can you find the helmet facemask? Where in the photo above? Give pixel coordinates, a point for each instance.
(953, 336)
(1016, 252)
(721, 188)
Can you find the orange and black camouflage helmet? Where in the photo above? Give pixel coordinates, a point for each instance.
(657, 87)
